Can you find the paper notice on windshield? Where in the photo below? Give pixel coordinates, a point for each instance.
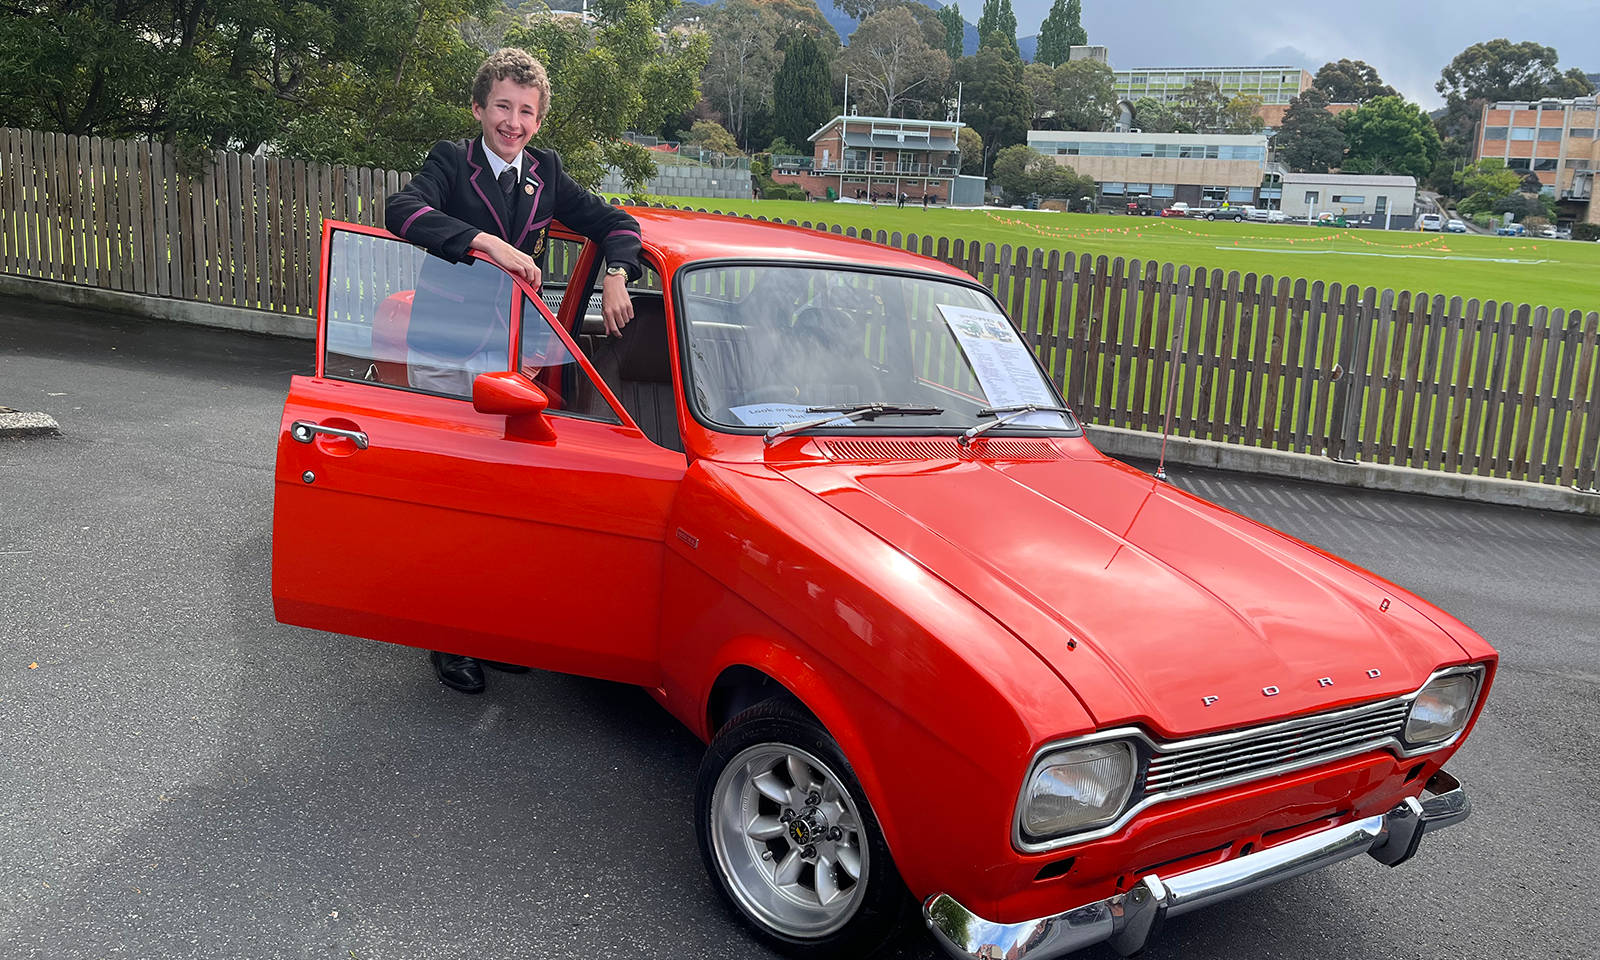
(777, 414)
(1001, 362)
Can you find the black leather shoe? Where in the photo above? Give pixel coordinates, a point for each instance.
(504, 667)
(457, 673)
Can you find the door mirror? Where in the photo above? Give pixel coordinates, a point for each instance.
(509, 394)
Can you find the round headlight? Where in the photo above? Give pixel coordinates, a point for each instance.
(1441, 709)
(1076, 788)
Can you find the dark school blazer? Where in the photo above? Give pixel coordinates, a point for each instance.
(454, 197)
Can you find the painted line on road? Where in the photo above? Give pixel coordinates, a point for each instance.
(1392, 256)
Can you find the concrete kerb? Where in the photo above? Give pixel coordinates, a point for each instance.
(1114, 441)
(1137, 444)
(159, 308)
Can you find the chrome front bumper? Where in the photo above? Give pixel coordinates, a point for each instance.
(1129, 920)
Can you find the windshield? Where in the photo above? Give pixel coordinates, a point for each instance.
(769, 344)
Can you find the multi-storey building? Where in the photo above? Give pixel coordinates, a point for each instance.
(1276, 86)
(1199, 169)
(1556, 140)
(877, 158)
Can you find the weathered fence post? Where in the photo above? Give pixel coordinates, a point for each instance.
(1357, 322)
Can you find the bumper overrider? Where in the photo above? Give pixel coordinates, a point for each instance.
(1129, 920)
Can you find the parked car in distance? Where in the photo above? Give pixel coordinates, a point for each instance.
(1263, 215)
(1430, 221)
(1455, 226)
(823, 504)
(1179, 209)
(1511, 230)
(1230, 212)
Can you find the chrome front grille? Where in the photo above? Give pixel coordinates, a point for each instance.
(1192, 765)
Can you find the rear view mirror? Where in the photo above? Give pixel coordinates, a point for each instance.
(510, 394)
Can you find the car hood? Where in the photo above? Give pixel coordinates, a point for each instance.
(1156, 607)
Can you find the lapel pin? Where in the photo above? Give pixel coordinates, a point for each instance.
(528, 189)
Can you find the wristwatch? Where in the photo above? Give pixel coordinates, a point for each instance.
(616, 271)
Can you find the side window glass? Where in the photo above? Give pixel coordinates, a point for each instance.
(543, 357)
(399, 317)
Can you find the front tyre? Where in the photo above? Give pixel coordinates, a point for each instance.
(789, 839)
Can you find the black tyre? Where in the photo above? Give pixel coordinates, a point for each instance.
(790, 841)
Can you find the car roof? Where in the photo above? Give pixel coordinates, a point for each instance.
(682, 237)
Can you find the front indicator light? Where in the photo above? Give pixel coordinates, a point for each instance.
(1441, 709)
(1077, 788)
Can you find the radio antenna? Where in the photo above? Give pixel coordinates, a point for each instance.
(1172, 388)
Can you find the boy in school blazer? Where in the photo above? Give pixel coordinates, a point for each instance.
(495, 194)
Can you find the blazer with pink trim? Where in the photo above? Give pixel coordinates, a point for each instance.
(455, 196)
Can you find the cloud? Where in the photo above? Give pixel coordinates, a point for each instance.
(1289, 57)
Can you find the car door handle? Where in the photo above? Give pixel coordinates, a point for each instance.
(305, 431)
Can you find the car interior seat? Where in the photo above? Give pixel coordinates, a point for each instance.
(389, 352)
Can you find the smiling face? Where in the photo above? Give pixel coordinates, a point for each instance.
(509, 117)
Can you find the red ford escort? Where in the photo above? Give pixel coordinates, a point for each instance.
(822, 502)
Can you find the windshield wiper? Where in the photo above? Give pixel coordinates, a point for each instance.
(851, 412)
(1004, 414)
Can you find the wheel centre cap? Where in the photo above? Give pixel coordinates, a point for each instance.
(808, 828)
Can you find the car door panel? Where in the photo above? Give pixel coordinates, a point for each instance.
(444, 532)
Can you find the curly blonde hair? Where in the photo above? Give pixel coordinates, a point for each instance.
(517, 65)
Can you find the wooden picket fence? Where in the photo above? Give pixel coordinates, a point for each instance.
(1336, 369)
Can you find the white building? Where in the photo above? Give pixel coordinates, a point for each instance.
(1391, 199)
(1200, 169)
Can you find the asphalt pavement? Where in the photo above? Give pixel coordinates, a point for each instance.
(180, 776)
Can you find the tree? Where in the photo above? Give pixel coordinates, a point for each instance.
(802, 98)
(998, 21)
(955, 30)
(711, 135)
(372, 82)
(1156, 116)
(891, 61)
(1351, 81)
(1020, 171)
(1040, 79)
(1502, 70)
(741, 65)
(996, 101)
(1487, 72)
(1309, 140)
(1242, 114)
(1085, 97)
(207, 74)
(1200, 108)
(803, 16)
(1061, 30)
(1389, 136)
(1076, 35)
(971, 146)
(1485, 184)
(621, 74)
(1011, 172)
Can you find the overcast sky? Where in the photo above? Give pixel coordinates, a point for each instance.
(1409, 41)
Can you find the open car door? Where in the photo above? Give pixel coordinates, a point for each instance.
(404, 512)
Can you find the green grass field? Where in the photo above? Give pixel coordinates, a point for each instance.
(1553, 273)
